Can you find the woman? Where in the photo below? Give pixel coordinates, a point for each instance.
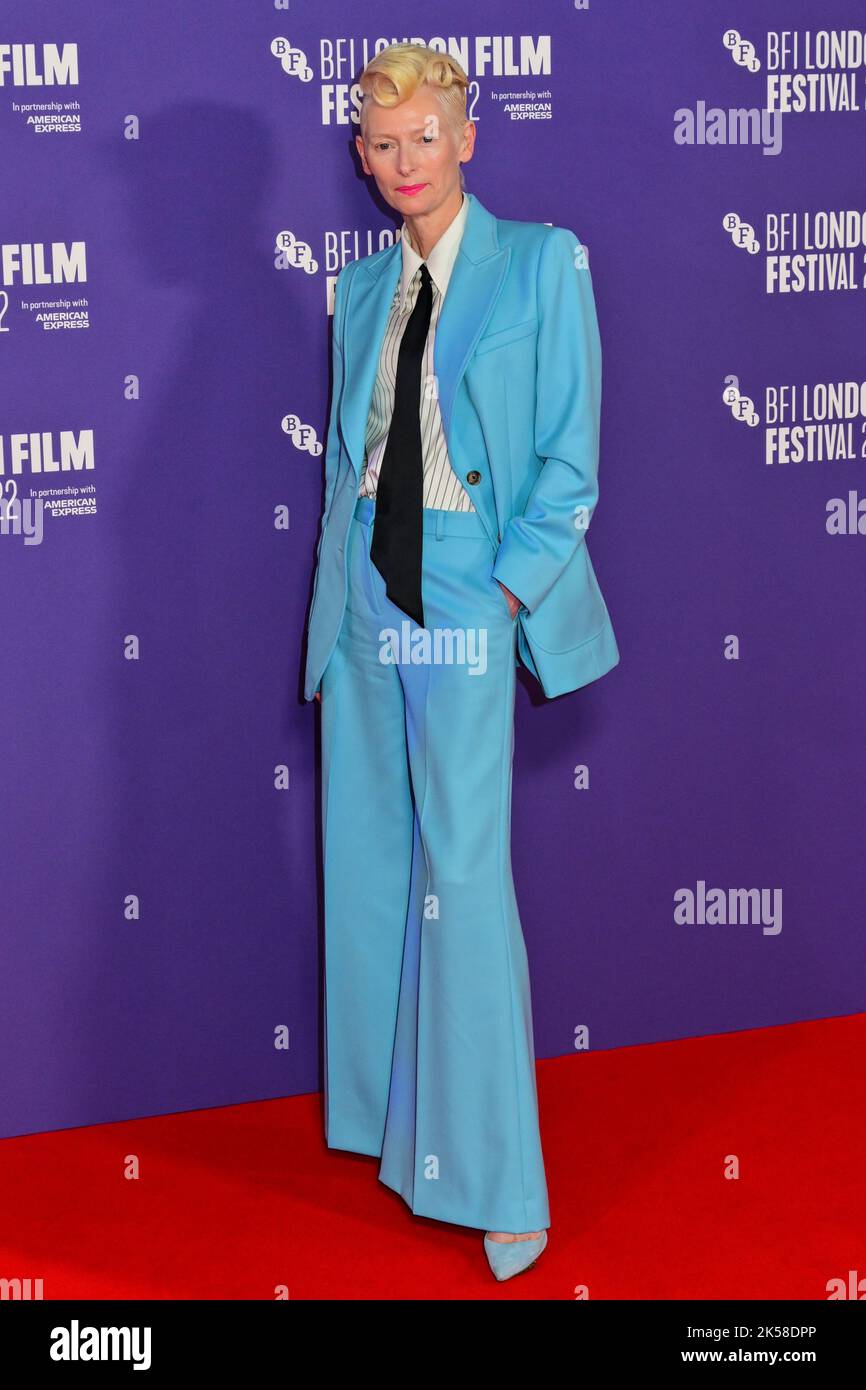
(460, 476)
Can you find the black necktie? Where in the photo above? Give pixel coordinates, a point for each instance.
(397, 530)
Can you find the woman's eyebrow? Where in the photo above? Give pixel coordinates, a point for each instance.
(386, 135)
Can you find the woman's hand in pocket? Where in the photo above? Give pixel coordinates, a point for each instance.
(513, 602)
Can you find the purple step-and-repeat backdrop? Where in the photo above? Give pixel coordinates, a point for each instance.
(179, 189)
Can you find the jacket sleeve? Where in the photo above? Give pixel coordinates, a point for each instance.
(332, 450)
(537, 545)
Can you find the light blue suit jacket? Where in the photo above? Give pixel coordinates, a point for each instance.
(517, 357)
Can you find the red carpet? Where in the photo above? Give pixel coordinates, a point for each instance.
(235, 1201)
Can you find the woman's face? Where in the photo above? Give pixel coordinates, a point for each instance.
(413, 153)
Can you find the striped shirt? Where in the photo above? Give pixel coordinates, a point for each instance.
(442, 487)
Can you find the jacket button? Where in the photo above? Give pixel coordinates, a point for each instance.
(473, 477)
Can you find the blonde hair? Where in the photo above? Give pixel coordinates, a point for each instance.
(396, 73)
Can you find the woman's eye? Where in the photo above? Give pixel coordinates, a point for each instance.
(386, 144)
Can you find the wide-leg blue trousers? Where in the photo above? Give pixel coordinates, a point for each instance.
(429, 1058)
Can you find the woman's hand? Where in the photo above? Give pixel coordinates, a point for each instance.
(513, 601)
(319, 696)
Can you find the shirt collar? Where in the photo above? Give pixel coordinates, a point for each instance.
(441, 260)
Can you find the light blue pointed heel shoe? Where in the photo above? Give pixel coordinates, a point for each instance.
(509, 1257)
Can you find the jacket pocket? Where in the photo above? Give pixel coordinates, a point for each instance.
(512, 334)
